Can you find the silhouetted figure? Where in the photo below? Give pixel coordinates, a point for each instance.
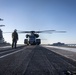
(14, 38)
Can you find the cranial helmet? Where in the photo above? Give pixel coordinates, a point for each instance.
(15, 30)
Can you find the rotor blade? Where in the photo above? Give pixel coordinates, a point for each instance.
(50, 31)
(60, 31)
(24, 32)
(44, 31)
(19, 31)
(35, 31)
(12, 31)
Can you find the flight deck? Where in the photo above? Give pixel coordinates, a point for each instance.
(35, 60)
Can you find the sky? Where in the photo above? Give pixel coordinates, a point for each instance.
(39, 15)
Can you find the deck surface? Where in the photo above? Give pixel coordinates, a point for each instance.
(35, 60)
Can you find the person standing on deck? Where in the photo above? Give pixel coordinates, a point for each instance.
(14, 38)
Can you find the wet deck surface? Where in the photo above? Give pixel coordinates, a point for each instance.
(35, 60)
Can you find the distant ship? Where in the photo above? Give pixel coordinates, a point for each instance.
(58, 44)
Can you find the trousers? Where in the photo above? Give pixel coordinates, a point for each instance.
(14, 43)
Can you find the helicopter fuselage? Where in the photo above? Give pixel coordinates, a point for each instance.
(32, 39)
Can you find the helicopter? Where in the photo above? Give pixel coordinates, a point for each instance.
(32, 38)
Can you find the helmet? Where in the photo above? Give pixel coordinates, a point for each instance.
(15, 30)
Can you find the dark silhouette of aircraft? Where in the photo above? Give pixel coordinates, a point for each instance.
(32, 38)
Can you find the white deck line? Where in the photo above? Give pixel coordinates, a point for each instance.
(11, 53)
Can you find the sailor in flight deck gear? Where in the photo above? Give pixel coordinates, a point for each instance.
(14, 38)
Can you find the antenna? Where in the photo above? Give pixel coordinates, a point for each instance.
(1, 19)
(2, 25)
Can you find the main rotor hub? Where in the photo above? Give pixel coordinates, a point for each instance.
(32, 32)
